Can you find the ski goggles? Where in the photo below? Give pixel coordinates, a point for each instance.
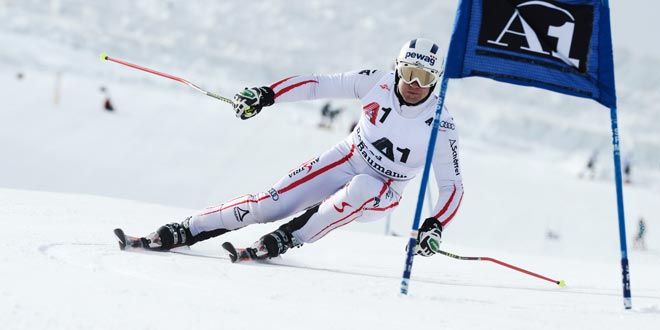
(410, 73)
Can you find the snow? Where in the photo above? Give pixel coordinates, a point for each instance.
(66, 272)
(71, 173)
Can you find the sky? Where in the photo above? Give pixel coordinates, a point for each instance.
(632, 26)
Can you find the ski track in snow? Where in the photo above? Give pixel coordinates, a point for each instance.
(69, 254)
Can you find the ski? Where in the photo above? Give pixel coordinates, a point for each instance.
(131, 242)
(127, 242)
(239, 254)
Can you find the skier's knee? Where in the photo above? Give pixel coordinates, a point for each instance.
(364, 186)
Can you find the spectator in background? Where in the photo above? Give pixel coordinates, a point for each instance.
(107, 104)
(353, 124)
(328, 115)
(639, 241)
(590, 169)
(551, 235)
(626, 170)
(19, 76)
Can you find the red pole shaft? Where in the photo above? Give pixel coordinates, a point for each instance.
(166, 75)
(135, 66)
(519, 269)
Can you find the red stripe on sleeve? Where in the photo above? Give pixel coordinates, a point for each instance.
(288, 88)
(281, 81)
(444, 208)
(453, 213)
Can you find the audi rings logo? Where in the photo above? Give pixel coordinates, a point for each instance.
(447, 125)
(273, 194)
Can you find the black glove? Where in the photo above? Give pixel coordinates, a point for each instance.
(250, 101)
(429, 237)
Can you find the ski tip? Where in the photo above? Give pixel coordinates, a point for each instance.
(103, 56)
(233, 254)
(121, 238)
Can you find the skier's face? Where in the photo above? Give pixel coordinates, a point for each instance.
(412, 93)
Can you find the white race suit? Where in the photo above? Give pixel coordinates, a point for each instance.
(360, 178)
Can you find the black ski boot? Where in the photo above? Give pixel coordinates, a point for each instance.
(273, 244)
(279, 241)
(177, 234)
(169, 236)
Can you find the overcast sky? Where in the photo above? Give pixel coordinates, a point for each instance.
(633, 25)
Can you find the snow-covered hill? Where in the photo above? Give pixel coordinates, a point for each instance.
(228, 45)
(62, 270)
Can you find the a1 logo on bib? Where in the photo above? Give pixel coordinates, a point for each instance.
(544, 28)
(371, 111)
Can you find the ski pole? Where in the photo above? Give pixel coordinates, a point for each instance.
(105, 57)
(561, 283)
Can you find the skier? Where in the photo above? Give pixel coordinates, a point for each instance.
(639, 241)
(590, 169)
(627, 166)
(362, 177)
(328, 115)
(107, 104)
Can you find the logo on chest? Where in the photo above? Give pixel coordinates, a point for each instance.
(371, 111)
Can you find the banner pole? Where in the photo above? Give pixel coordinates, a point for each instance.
(627, 300)
(412, 241)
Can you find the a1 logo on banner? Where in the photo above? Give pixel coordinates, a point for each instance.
(550, 29)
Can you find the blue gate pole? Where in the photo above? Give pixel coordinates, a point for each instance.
(627, 301)
(412, 241)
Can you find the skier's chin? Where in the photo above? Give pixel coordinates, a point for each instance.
(413, 97)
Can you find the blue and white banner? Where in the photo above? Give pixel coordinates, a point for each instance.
(560, 45)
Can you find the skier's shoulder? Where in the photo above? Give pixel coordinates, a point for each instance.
(367, 79)
(446, 115)
(371, 73)
(372, 76)
(366, 72)
(446, 119)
